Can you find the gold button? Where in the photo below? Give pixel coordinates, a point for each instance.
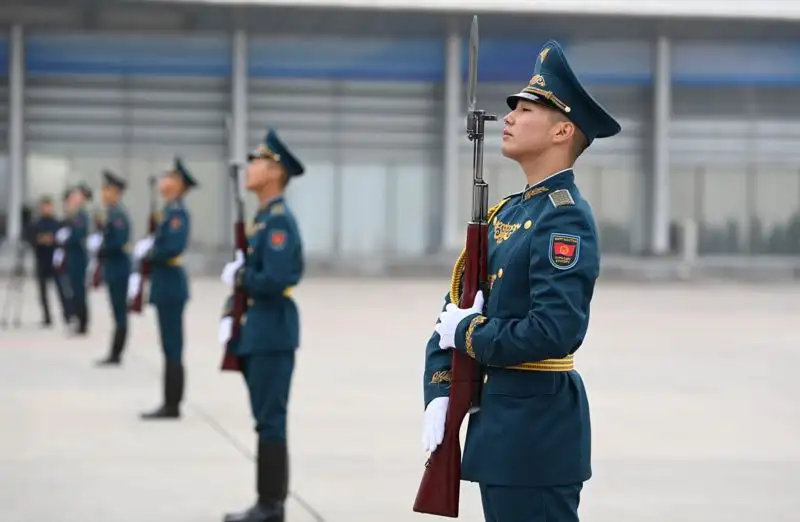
(485, 378)
(500, 273)
(243, 320)
(249, 250)
(528, 224)
(249, 302)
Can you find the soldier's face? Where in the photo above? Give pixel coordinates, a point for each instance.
(46, 209)
(529, 130)
(262, 172)
(169, 186)
(109, 194)
(75, 200)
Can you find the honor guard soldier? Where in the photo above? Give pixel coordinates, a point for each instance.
(42, 237)
(111, 246)
(270, 332)
(528, 445)
(169, 283)
(72, 237)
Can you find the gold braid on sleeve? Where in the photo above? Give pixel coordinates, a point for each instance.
(471, 330)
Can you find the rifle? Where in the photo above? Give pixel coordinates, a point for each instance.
(440, 487)
(230, 362)
(97, 273)
(144, 265)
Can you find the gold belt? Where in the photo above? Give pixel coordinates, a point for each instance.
(174, 261)
(287, 292)
(548, 365)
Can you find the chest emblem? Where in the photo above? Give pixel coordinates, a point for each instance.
(503, 231)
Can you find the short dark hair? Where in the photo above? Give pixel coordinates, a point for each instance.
(579, 141)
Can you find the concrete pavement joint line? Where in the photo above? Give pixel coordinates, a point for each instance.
(215, 425)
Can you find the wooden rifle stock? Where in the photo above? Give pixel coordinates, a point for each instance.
(145, 266)
(97, 274)
(439, 491)
(230, 361)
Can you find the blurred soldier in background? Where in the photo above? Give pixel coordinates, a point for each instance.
(72, 237)
(271, 332)
(112, 248)
(528, 445)
(41, 236)
(169, 283)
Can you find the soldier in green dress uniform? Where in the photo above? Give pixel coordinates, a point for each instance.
(112, 248)
(528, 445)
(169, 283)
(268, 271)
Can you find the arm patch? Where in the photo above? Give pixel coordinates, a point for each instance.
(277, 239)
(565, 249)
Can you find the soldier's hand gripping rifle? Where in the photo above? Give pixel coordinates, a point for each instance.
(230, 362)
(439, 490)
(97, 262)
(135, 304)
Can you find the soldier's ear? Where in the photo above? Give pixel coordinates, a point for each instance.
(564, 130)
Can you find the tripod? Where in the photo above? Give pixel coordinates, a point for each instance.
(15, 296)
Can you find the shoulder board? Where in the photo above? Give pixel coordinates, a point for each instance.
(277, 209)
(561, 198)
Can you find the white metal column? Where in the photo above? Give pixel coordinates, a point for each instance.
(16, 132)
(238, 124)
(453, 132)
(239, 96)
(662, 113)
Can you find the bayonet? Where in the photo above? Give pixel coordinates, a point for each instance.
(475, 129)
(472, 77)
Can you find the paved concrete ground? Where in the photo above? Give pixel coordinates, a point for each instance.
(695, 410)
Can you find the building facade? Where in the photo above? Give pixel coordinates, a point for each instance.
(374, 104)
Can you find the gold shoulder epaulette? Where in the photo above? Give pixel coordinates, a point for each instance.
(561, 198)
(277, 209)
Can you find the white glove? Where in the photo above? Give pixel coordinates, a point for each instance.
(133, 284)
(62, 235)
(94, 242)
(225, 330)
(142, 247)
(228, 275)
(58, 257)
(435, 415)
(452, 315)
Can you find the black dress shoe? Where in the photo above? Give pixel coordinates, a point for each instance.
(258, 513)
(162, 413)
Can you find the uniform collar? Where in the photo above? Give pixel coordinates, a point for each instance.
(267, 206)
(561, 179)
(175, 203)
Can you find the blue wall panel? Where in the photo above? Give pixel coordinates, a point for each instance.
(351, 59)
(715, 63)
(595, 62)
(143, 55)
(3, 55)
